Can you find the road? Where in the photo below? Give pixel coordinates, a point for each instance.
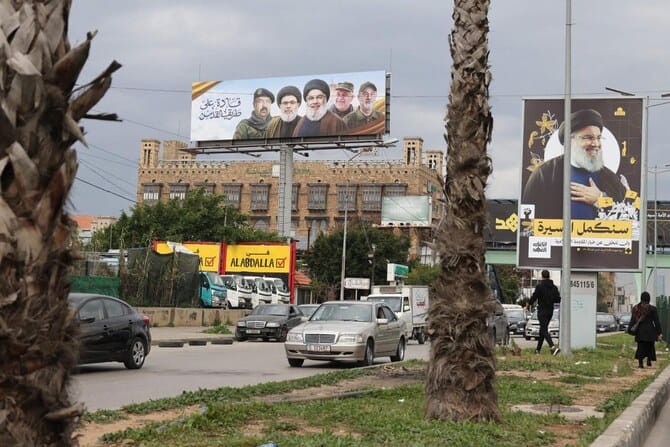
(169, 371)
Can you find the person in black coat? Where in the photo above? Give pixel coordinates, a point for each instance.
(546, 294)
(648, 330)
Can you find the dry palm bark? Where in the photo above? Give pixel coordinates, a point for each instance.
(39, 117)
(460, 379)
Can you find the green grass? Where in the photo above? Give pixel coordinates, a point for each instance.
(218, 329)
(394, 416)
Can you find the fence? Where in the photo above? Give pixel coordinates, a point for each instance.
(663, 306)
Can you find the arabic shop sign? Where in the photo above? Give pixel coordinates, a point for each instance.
(208, 252)
(258, 258)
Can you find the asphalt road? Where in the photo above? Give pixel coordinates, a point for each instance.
(169, 371)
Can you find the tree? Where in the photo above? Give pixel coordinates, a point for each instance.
(461, 372)
(38, 125)
(198, 217)
(325, 257)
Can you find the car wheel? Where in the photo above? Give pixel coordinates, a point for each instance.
(226, 305)
(136, 354)
(400, 351)
(420, 337)
(296, 363)
(527, 337)
(369, 355)
(240, 338)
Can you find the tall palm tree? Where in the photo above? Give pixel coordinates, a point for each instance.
(39, 117)
(461, 372)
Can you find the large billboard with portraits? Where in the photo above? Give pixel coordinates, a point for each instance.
(607, 159)
(297, 108)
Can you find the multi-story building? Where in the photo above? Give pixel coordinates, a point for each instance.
(319, 190)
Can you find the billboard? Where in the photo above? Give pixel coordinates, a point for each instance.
(290, 108)
(606, 174)
(414, 211)
(209, 252)
(257, 258)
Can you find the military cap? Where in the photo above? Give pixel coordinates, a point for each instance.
(345, 86)
(264, 92)
(366, 85)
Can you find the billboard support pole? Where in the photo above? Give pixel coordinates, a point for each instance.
(566, 304)
(285, 190)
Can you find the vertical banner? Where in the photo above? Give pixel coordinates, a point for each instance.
(606, 174)
(584, 295)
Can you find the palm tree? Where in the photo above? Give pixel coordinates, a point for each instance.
(38, 125)
(461, 373)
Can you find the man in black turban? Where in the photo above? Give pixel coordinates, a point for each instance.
(590, 178)
(318, 120)
(289, 99)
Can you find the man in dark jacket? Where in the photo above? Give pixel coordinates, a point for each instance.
(546, 295)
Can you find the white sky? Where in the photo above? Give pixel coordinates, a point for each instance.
(165, 45)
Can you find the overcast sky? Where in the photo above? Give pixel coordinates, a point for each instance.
(166, 45)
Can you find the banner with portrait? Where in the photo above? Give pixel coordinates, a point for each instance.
(606, 151)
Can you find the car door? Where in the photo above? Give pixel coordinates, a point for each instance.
(93, 337)
(294, 316)
(119, 324)
(384, 332)
(394, 328)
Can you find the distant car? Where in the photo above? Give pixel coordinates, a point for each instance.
(605, 322)
(111, 330)
(533, 325)
(497, 325)
(516, 320)
(268, 321)
(624, 321)
(308, 309)
(347, 331)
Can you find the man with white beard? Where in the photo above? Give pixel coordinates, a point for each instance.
(288, 100)
(365, 116)
(318, 120)
(590, 178)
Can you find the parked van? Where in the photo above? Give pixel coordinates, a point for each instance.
(280, 293)
(261, 292)
(238, 295)
(212, 291)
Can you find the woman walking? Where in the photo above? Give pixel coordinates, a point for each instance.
(645, 318)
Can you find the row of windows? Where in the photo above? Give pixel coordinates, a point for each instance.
(317, 195)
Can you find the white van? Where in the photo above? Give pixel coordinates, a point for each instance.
(280, 293)
(238, 294)
(261, 292)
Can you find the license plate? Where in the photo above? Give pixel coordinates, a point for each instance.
(318, 348)
(253, 331)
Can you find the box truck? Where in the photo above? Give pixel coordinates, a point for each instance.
(410, 304)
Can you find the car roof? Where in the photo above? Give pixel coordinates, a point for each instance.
(78, 297)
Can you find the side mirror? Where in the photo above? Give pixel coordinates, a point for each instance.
(206, 285)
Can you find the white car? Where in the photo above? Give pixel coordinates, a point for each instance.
(533, 326)
(347, 331)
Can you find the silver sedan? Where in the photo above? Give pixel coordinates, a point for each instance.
(347, 331)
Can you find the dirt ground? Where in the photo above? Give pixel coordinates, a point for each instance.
(386, 376)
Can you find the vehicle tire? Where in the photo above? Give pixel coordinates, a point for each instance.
(400, 351)
(526, 337)
(238, 338)
(296, 363)
(369, 355)
(226, 305)
(136, 354)
(420, 337)
(266, 338)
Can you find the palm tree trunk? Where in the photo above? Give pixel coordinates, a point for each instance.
(38, 124)
(461, 372)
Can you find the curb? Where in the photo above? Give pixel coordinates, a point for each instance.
(632, 426)
(180, 342)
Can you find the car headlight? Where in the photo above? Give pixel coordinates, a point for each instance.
(241, 323)
(272, 324)
(215, 299)
(350, 338)
(295, 337)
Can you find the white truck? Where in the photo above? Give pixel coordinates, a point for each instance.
(410, 304)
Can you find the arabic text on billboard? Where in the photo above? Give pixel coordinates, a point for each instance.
(251, 258)
(297, 107)
(606, 174)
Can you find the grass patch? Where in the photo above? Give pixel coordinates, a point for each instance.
(394, 415)
(218, 329)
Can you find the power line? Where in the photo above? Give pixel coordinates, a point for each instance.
(106, 190)
(93, 168)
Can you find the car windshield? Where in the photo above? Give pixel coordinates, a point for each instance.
(279, 284)
(343, 312)
(215, 278)
(515, 313)
(394, 302)
(625, 317)
(270, 309)
(604, 318)
(308, 309)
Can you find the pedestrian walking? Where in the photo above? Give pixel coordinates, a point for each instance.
(646, 327)
(546, 294)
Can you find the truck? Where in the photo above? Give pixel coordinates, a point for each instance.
(213, 292)
(238, 294)
(409, 303)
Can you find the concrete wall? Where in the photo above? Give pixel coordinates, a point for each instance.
(177, 316)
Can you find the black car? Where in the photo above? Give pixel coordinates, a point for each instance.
(516, 321)
(111, 330)
(624, 321)
(268, 321)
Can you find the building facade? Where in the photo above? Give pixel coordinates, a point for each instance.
(321, 190)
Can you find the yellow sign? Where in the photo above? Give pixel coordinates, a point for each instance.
(611, 229)
(210, 254)
(258, 258)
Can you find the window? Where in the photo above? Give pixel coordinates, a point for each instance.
(395, 189)
(262, 223)
(151, 193)
(114, 309)
(294, 197)
(371, 197)
(207, 187)
(346, 197)
(92, 309)
(317, 193)
(259, 196)
(232, 192)
(178, 191)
